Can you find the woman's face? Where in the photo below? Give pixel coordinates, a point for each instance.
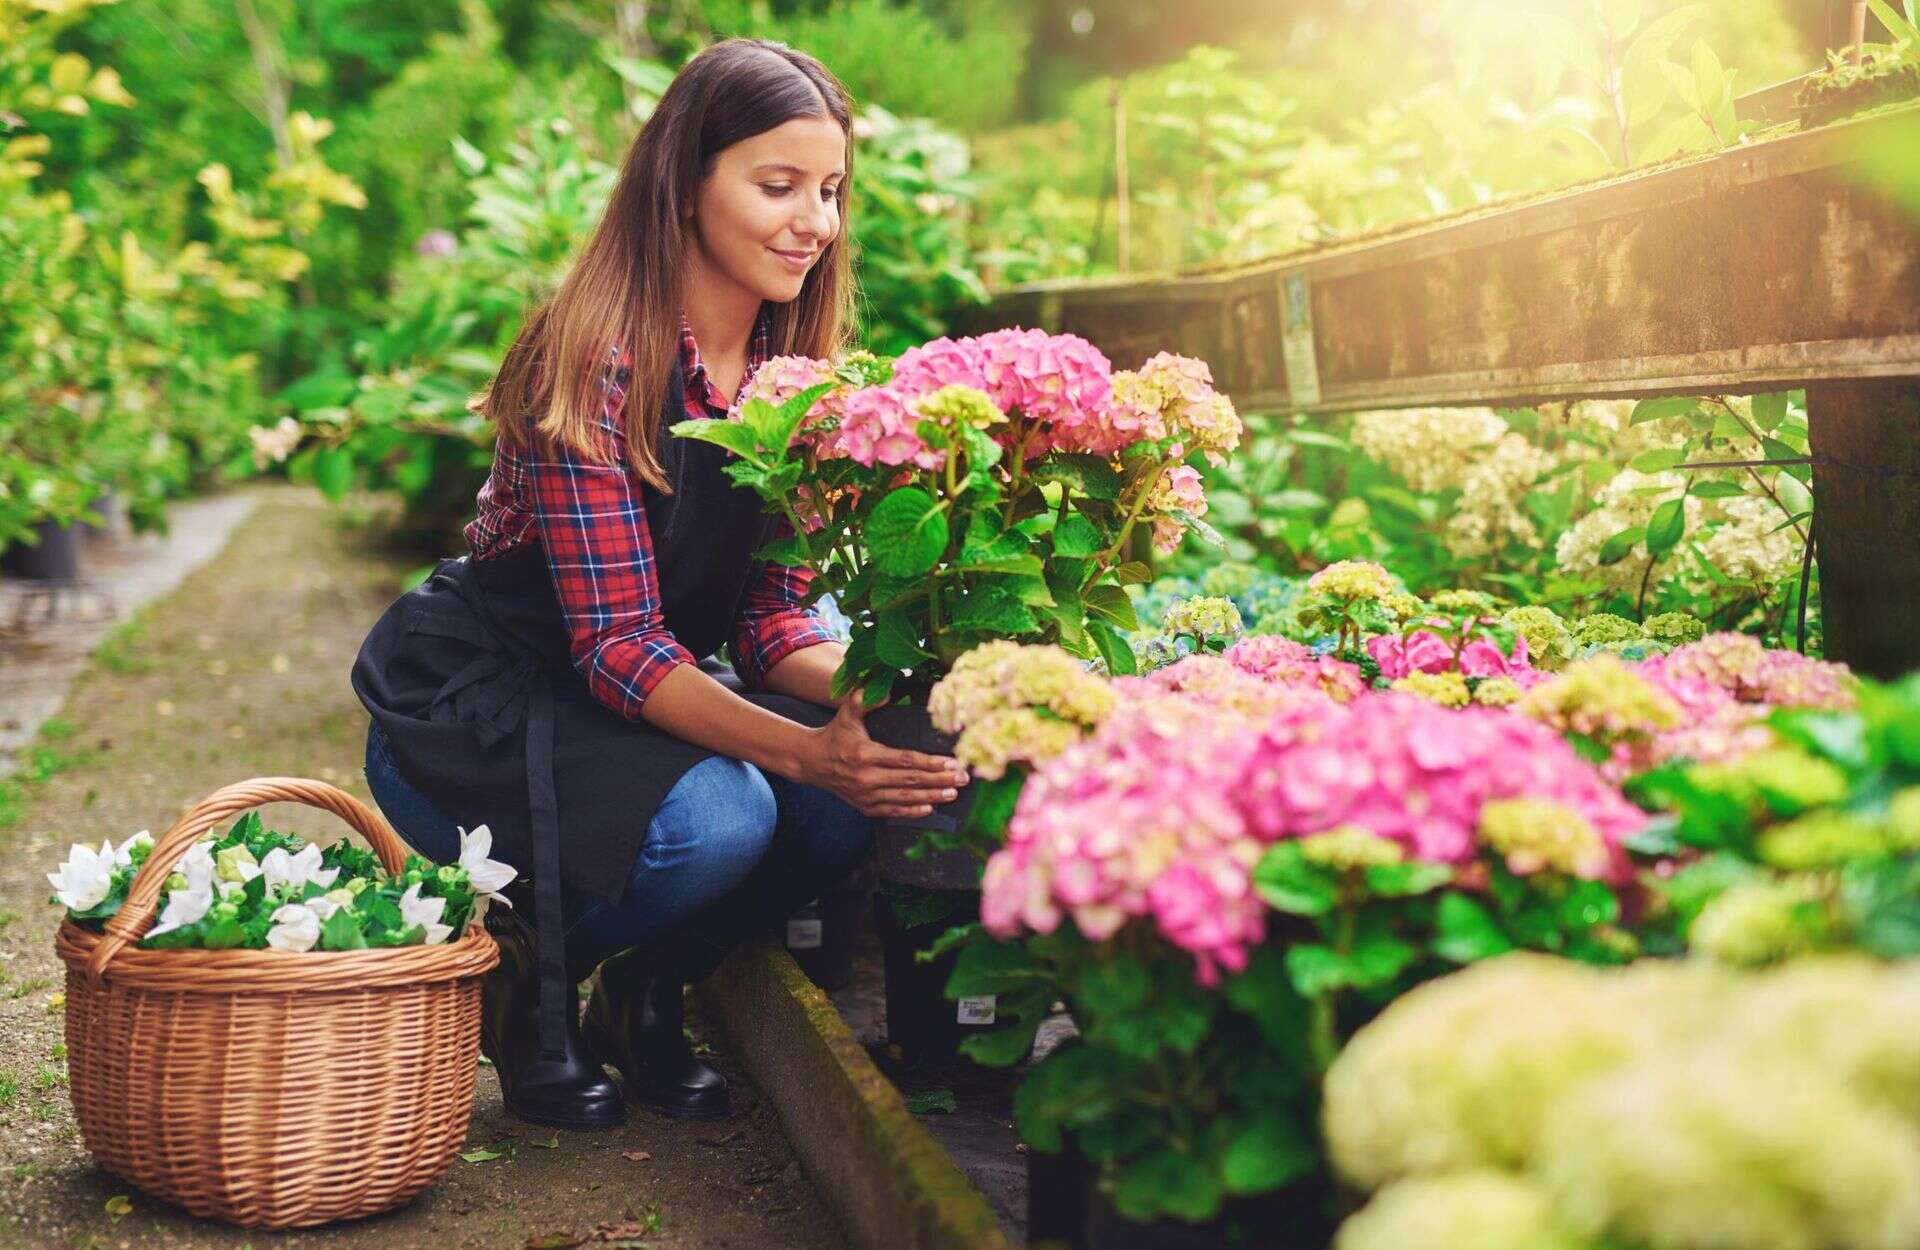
(771, 205)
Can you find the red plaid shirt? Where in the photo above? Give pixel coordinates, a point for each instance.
(592, 520)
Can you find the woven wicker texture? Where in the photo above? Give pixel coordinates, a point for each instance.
(262, 1087)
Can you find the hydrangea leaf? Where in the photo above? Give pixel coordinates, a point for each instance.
(906, 532)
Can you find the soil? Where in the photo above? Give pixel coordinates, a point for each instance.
(242, 672)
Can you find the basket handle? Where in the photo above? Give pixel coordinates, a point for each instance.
(136, 915)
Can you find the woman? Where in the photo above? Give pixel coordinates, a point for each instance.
(549, 685)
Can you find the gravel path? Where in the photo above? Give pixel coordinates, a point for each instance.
(242, 672)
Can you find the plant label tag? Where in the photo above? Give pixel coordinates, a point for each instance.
(977, 1009)
(803, 935)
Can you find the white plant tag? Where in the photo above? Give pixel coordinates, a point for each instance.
(803, 934)
(977, 1009)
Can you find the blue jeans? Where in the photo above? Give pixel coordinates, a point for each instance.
(731, 850)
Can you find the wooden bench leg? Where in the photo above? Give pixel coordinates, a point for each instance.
(1865, 439)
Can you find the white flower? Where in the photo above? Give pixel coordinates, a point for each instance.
(487, 875)
(184, 907)
(324, 905)
(274, 443)
(296, 927)
(86, 876)
(415, 910)
(123, 854)
(294, 871)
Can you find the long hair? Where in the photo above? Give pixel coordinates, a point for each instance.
(625, 288)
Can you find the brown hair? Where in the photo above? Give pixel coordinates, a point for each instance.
(625, 286)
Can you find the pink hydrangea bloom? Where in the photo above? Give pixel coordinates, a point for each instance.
(781, 378)
(941, 362)
(1421, 651)
(1740, 665)
(1059, 379)
(1179, 490)
(878, 428)
(1288, 663)
(1162, 814)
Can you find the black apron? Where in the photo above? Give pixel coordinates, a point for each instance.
(471, 677)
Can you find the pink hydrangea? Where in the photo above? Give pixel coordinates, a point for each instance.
(1059, 379)
(879, 428)
(1740, 665)
(1179, 490)
(1424, 651)
(1288, 663)
(1164, 812)
(941, 362)
(780, 378)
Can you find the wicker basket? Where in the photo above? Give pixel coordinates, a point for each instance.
(262, 1087)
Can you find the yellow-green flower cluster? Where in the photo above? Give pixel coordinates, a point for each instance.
(1550, 643)
(1667, 1105)
(1604, 627)
(1009, 702)
(1463, 601)
(1783, 778)
(1601, 698)
(1429, 449)
(1828, 838)
(1497, 692)
(1348, 847)
(1762, 921)
(1534, 834)
(1352, 580)
(1404, 607)
(1448, 689)
(1204, 616)
(1675, 628)
(1466, 1211)
(954, 406)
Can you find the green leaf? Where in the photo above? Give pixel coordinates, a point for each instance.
(482, 1155)
(1288, 881)
(333, 472)
(1668, 525)
(1132, 573)
(1662, 408)
(1378, 958)
(1406, 879)
(1076, 536)
(992, 609)
(1084, 474)
(1795, 496)
(1267, 1154)
(1616, 549)
(1316, 969)
(341, 932)
(324, 389)
(895, 640)
(1114, 648)
(1899, 25)
(1002, 1048)
(1465, 932)
(1770, 410)
(1657, 461)
(1110, 603)
(1167, 1181)
(931, 1101)
(1716, 489)
(906, 532)
(732, 435)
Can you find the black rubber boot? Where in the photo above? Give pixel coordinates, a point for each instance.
(570, 1090)
(635, 1022)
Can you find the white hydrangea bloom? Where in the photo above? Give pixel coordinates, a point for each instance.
(1428, 448)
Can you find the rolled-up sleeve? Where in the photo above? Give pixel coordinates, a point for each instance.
(772, 624)
(592, 520)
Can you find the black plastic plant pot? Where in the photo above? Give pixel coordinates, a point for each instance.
(820, 936)
(1057, 1188)
(56, 557)
(921, 1020)
(911, 729)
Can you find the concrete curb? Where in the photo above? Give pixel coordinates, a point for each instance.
(869, 1159)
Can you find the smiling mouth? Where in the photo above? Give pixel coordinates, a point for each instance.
(793, 255)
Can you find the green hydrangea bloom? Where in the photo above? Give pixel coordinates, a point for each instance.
(1468, 1211)
(1824, 839)
(1675, 628)
(1762, 921)
(1605, 627)
(1549, 642)
(1229, 580)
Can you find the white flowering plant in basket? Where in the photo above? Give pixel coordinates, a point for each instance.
(253, 887)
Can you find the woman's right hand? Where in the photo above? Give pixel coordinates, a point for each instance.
(878, 781)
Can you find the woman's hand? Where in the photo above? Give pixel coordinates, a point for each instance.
(878, 781)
